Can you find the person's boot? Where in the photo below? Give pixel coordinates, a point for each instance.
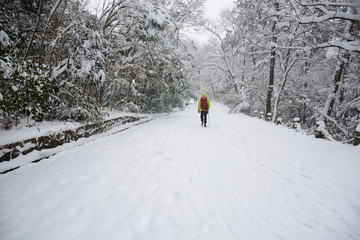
(205, 125)
(202, 123)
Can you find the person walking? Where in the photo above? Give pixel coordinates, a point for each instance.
(203, 108)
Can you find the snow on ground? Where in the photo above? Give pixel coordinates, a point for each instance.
(240, 178)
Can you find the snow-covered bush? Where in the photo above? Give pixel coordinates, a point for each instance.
(130, 107)
(243, 107)
(296, 125)
(26, 91)
(80, 86)
(321, 132)
(279, 121)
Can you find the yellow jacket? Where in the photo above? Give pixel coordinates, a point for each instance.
(199, 105)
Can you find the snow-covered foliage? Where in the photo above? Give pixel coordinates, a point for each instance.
(243, 107)
(4, 39)
(130, 107)
(310, 48)
(149, 62)
(81, 62)
(290, 58)
(27, 91)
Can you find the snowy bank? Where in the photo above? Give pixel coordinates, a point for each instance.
(50, 136)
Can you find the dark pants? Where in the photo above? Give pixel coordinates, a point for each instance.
(203, 117)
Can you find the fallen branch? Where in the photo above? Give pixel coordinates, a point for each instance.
(333, 121)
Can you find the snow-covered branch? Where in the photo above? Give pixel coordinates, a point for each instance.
(353, 46)
(59, 69)
(345, 108)
(328, 3)
(328, 16)
(110, 13)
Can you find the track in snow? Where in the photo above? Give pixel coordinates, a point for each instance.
(169, 179)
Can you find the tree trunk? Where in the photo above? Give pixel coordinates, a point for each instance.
(342, 64)
(96, 94)
(337, 78)
(304, 113)
(243, 66)
(129, 90)
(213, 90)
(53, 10)
(272, 73)
(236, 88)
(285, 77)
(33, 35)
(112, 97)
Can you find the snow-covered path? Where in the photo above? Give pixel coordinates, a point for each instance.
(240, 178)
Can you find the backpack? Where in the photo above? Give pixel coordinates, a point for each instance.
(204, 104)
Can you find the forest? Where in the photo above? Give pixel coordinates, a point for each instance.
(283, 60)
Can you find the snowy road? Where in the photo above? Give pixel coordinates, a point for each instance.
(241, 178)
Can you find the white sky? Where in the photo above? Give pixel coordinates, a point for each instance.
(213, 7)
(212, 11)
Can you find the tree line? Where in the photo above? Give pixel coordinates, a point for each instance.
(288, 58)
(58, 61)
